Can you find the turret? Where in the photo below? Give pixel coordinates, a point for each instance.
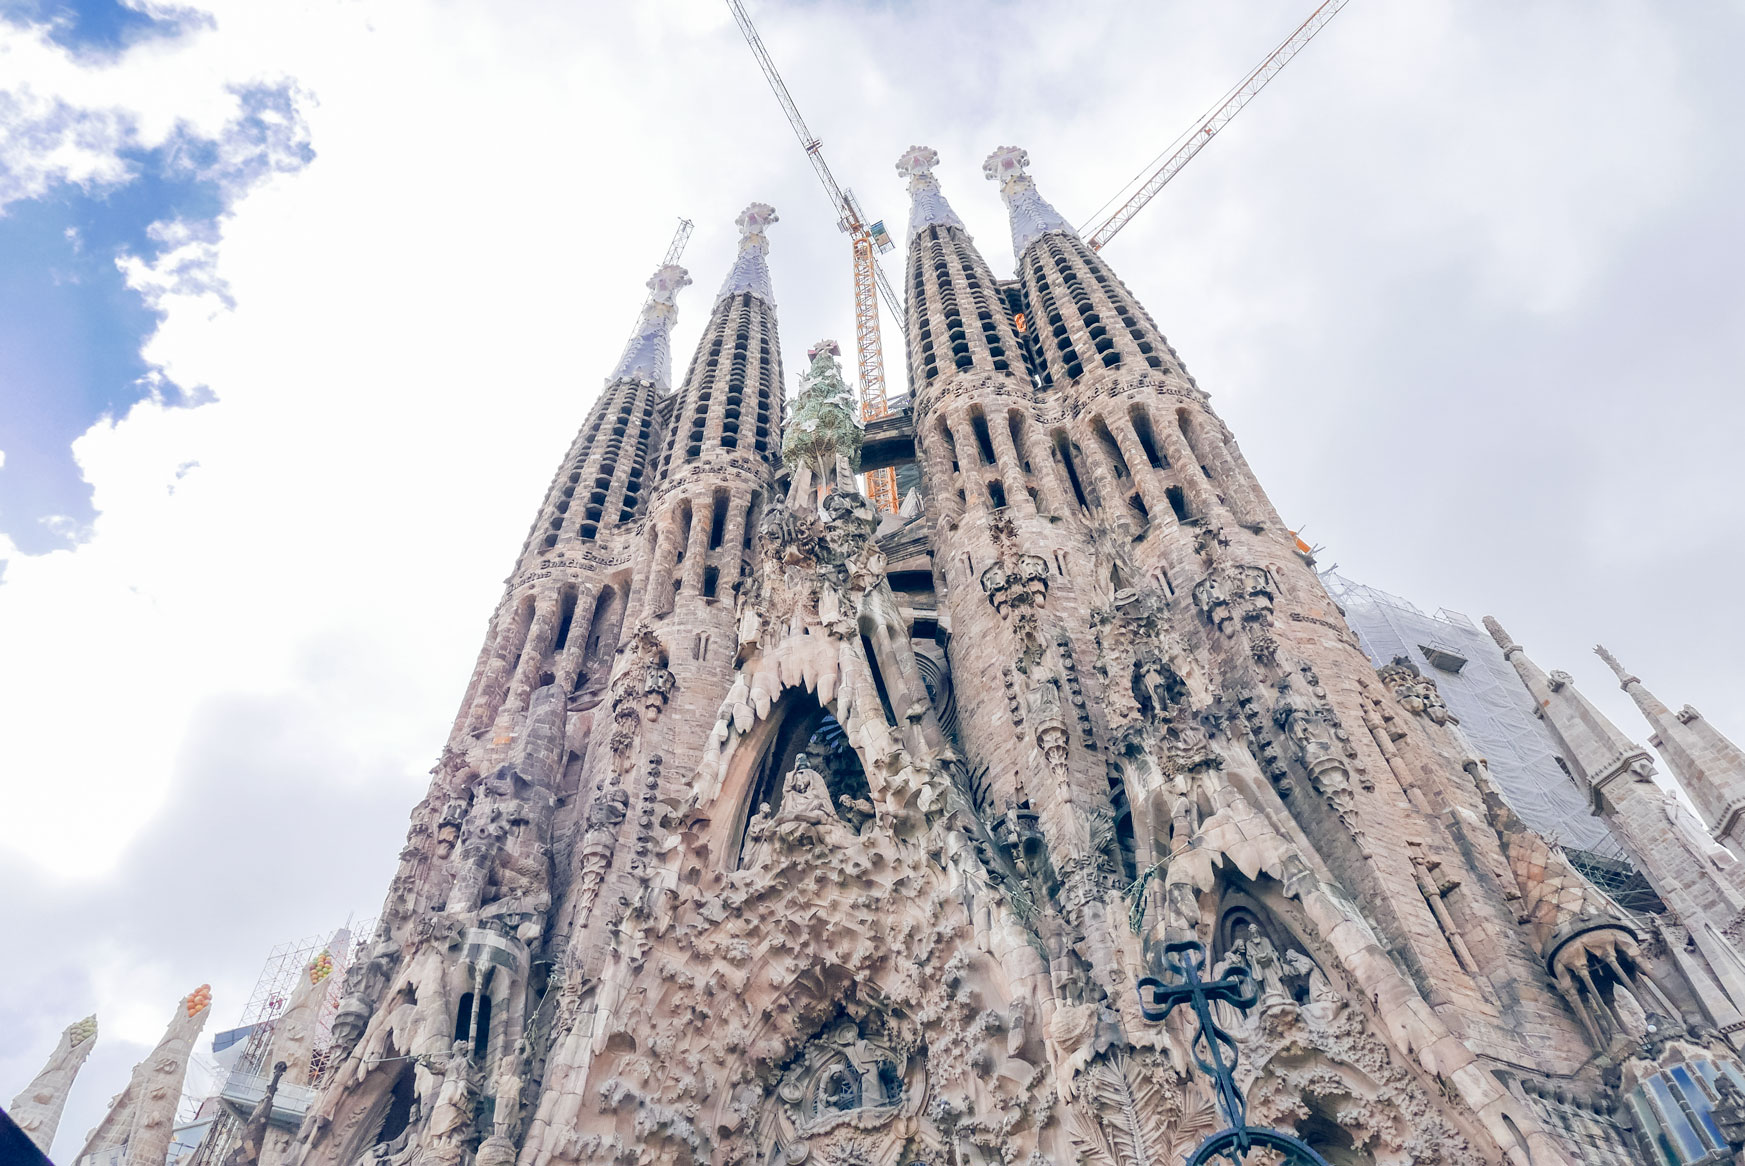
(1709, 766)
(600, 483)
(723, 435)
(970, 386)
(1145, 447)
(1599, 756)
(1699, 879)
(141, 1118)
(37, 1110)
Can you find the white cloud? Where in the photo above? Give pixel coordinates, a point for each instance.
(217, 710)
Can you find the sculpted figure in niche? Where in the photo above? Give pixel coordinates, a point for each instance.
(1697, 837)
(451, 1117)
(1209, 597)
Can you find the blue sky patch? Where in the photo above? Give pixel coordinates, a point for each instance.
(99, 27)
(71, 329)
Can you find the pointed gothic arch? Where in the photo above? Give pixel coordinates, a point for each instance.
(797, 723)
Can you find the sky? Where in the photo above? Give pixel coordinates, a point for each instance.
(300, 303)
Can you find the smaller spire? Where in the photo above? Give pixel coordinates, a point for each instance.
(1595, 749)
(1710, 767)
(1625, 680)
(648, 355)
(927, 205)
(750, 271)
(1032, 216)
(1503, 639)
(38, 1109)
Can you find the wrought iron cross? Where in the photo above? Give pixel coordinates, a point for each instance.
(1183, 962)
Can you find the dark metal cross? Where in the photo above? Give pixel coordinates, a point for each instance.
(1183, 962)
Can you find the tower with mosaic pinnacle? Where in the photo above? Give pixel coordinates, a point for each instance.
(777, 830)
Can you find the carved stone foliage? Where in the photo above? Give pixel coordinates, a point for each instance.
(1017, 579)
(1142, 666)
(1415, 691)
(756, 1020)
(1235, 593)
(1135, 1109)
(1303, 714)
(1333, 1080)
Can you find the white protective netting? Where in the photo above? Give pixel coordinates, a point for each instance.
(1495, 710)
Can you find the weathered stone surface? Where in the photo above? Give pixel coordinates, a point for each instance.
(37, 1110)
(776, 830)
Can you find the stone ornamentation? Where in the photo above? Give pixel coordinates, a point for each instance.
(705, 877)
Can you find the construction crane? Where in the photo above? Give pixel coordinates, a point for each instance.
(1220, 116)
(674, 249)
(869, 238)
(677, 247)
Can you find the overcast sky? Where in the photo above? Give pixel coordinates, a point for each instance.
(300, 303)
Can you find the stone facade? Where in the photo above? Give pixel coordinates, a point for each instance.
(774, 829)
(37, 1110)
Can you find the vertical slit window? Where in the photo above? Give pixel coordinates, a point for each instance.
(984, 439)
(1063, 447)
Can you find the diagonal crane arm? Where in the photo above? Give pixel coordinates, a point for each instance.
(813, 147)
(1246, 90)
(869, 281)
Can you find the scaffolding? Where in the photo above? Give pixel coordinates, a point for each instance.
(1481, 688)
(1623, 882)
(238, 1090)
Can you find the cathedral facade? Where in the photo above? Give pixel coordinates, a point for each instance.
(776, 829)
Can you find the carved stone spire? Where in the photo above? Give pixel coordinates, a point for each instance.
(1596, 750)
(927, 205)
(750, 271)
(37, 1110)
(1708, 765)
(648, 355)
(143, 1116)
(1032, 216)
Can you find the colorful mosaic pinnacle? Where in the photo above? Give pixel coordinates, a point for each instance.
(772, 829)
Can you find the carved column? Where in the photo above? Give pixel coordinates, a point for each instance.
(1237, 492)
(975, 486)
(941, 478)
(637, 597)
(504, 652)
(539, 640)
(1056, 493)
(1150, 483)
(1110, 495)
(1011, 468)
(666, 559)
(576, 648)
(1202, 501)
(697, 549)
(733, 535)
(1263, 508)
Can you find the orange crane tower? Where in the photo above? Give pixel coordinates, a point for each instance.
(869, 239)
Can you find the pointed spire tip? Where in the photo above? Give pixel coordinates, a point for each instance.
(1502, 638)
(1032, 215)
(927, 205)
(1625, 679)
(750, 270)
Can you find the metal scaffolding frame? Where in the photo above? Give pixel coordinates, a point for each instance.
(1495, 710)
(272, 992)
